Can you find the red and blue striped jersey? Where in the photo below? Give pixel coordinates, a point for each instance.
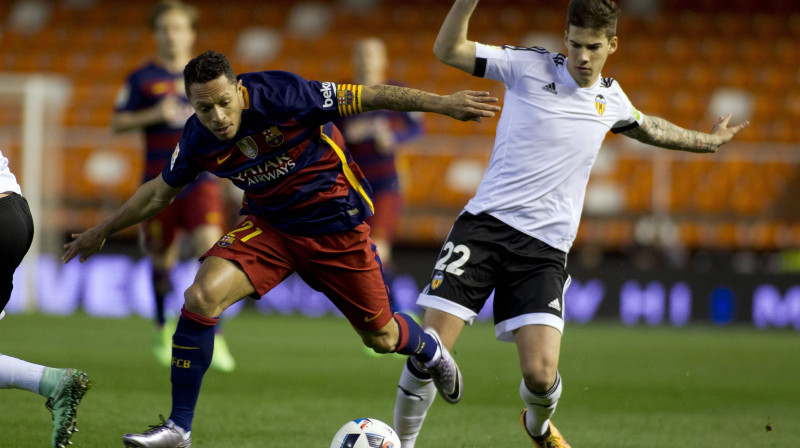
(144, 88)
(287, 156)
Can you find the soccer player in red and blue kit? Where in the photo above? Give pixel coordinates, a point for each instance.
(154, 101)
(271, 134)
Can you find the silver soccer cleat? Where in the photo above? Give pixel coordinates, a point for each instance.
(445, 374)
(164, 435)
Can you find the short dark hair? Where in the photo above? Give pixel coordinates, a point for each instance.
(594, 14)
(168, 5)
(207, 67)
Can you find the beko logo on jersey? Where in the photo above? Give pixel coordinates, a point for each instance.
(265, 172)
(327, 92)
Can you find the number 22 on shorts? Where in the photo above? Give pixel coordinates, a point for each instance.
(453, 267)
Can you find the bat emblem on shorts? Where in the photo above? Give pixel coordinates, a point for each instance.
(438, 278)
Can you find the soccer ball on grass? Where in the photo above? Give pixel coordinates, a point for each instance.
(365, 433)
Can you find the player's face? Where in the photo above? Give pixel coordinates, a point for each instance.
(219, 105)
(174, 34)
(588, 49)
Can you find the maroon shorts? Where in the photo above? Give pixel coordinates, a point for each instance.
(202, 205)
(344, 266)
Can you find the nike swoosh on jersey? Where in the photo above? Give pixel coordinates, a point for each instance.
(174, 345)
(371, 318)
(220, 160)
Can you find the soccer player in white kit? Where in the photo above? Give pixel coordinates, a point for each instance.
(63, 388)
(514, 235)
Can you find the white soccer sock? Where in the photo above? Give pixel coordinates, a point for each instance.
(414, 397)
(18, 374)
(436, 357)
(540, 406)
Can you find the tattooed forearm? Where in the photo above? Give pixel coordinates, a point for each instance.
(466, 105)
(398, 98)
(659, 132)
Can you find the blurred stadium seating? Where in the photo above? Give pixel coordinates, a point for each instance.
(669, 62)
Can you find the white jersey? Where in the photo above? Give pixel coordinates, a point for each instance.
(548, 136)
(7, 180)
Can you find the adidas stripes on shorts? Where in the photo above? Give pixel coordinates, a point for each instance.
(483, 254)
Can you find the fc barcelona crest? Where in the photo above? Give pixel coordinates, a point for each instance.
(346, 99)
(248, 147)
(600, 104)
(438, 278)
(274, 136)
(226, 240)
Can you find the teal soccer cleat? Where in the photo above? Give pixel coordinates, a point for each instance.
(63, 405)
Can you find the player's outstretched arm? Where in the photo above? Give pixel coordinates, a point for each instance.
(659, 132)
(452, 46)
(466, 105)
(152, 197)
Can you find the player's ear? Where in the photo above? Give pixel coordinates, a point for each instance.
(240, 89)
(612, 44)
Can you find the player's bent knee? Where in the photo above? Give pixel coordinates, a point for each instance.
(540, 380)
(198, 300)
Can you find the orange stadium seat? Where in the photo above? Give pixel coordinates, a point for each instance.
(678, 49)
(766, 107)
(717, 50)
(774, 79)
(663, 76)
(701, 76)
(752, 52)
(629, 75)
(643, 51)
(767, 26)
(737, 76)
(687, 106)
(730, 25)
(691, 24)
(784, 51)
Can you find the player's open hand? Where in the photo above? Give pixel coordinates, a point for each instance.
(469, 105)
(722, 133)
(84, 244)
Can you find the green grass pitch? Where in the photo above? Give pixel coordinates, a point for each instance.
(299, 379)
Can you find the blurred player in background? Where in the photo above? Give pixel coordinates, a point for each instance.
(272, 134)
(514, 235)
(63, 388)
(154, 100)
(372, 139)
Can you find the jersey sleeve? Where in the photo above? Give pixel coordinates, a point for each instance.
(506, 63)
(629, 117)
(183, 168)
(311, 103)
(493, 62)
